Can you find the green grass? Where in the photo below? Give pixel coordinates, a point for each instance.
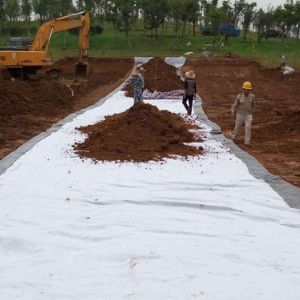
(111, 44)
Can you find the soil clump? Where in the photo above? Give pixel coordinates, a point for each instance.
(159, 76)
(140, 134)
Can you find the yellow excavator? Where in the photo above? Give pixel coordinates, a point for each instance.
(22, 56)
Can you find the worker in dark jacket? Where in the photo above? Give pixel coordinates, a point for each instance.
(137, 83)
(190, 91)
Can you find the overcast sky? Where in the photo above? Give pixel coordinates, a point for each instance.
(265, 3)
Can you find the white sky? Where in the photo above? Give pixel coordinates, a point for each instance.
(265, 3)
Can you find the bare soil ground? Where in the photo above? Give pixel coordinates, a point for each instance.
(28, 108)
(276, 127)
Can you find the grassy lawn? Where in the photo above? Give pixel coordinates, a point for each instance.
(111, 44)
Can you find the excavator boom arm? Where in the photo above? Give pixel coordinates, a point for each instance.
(44, 34)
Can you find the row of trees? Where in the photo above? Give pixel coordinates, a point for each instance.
(183, 14)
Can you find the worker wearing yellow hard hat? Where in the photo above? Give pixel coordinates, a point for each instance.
(243, 108)
(247, 85)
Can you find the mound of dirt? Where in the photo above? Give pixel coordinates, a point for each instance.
(30, 107)
(23, 97)
(140, 134)
(159, 76)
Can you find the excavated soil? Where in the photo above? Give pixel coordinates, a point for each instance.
(158, 76)
(30, 107)
(140, 134)
(276, 126)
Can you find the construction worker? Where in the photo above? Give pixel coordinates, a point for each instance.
(242, 110)
(281, 61)
(137, 83)
(190, 91)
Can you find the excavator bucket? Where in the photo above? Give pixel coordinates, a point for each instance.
(81, 69)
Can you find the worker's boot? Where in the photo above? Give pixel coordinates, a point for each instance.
(185, 104)
(189, 112)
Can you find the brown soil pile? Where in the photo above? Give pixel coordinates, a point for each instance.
(23, 97)
(30, 107)
(276, 125)
(159, 76)
(140, 134)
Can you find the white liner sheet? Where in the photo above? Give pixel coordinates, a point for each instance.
(202, 228)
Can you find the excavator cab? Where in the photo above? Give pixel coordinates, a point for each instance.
(17, 44)
(27, 57)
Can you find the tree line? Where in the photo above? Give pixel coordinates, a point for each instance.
(185, 16)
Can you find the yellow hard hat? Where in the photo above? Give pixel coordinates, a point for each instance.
(247, 85)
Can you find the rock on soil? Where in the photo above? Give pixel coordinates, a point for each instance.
(140, 134)
(159, 76)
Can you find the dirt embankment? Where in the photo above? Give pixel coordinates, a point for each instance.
(276, 126)
(159, 76)
(30, 107)
(140, 134)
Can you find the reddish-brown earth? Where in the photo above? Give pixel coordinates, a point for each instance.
(140, 134)
(276, 127)
(27, 108)
(30, 107)
(159, 76)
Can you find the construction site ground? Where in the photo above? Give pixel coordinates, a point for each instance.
(182, 217)
(75, 229)
(30, 107)
(276, 126)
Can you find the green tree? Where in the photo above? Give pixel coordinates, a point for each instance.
(12, 9)
(111, 14)
(123, 14)
(238, 7)
(65, 7)
(127, 15)
(263, 21)
(51, 9)
(26, 9)
(100, 8)
(176, 7)
(285, 19)
(259, 23)
(89, 5)
(154, 13)
(215, 16)
(182, 12)
(297, 18)
(193, 12)
(248, 16)
(80, 4)
(46, 9)
(2, 15)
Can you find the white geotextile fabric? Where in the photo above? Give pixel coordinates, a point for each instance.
(176, 61)
(202, 228)
(176, 94)
(140, 60)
